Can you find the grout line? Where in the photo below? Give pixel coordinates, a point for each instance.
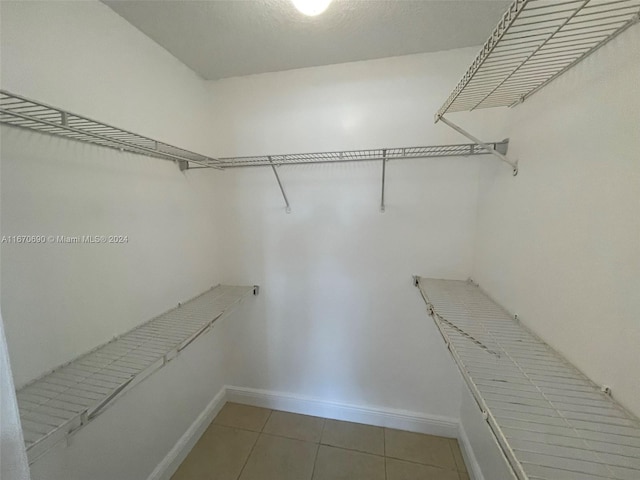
(453, 454)
(354, 450)
(384, 450)
(315, 460)
(267, 421)
(423, 464)
(249, 456)
(384, 441)
(324, 424)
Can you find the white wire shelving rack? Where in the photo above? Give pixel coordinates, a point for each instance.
(550, 420)
(19, 111)
(62, 401)
(23, 112)
(377, 154)
(535, 42)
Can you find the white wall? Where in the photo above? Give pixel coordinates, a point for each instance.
(337, 318)
(61, 300)
(560, 243)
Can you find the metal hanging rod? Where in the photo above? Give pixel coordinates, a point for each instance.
(535, 42)
(25, 113)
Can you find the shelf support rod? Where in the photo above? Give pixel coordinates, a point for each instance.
(480, 143)
(384, 171)
(284, 194)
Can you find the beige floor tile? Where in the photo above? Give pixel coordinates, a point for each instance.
(338, 464)
(354, 436)
(457, 455)
(292, 425)
(220, 454)
(401, 470)
(419, 448)
(242, 416)
(463, 476)
(278, 458)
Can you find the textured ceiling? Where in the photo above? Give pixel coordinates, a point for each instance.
(219, 39)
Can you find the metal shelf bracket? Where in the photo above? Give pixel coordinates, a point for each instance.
(284, 194)
(384, 171)
(480, 143)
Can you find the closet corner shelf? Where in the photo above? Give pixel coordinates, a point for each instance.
(550, 421)
(70, 396)
(535, 42)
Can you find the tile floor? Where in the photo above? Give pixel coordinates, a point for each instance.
(251, 443)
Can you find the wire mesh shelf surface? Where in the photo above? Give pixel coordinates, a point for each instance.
(25, 113)
(550, 420)
(70, 396)
(535, 42)
(397, 153)
(22, 112)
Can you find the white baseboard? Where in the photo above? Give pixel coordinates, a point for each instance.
(170, 463)
(382, 417)
(470, 460)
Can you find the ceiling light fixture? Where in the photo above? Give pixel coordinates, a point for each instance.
(311, 8)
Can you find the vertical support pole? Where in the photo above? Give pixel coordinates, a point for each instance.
(284, 194)
(64, 120)
(384, 171)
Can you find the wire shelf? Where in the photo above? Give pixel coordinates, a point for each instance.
(25, 113)
(396, 153)
(535, 42)
(64, 400)
(550, 420)
(22, 112)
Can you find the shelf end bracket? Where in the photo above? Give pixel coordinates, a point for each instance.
(384, 171)
(487, 147)
(284, 194)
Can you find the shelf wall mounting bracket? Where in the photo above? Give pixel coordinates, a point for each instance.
(384, 171)
(284, 194)
(477, 141)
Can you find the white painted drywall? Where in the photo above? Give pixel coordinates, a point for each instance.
(560, 244)
(59, 300)
(338, 319)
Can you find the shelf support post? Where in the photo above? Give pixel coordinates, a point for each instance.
(284, 194)
(384, 171)
(480, 143)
